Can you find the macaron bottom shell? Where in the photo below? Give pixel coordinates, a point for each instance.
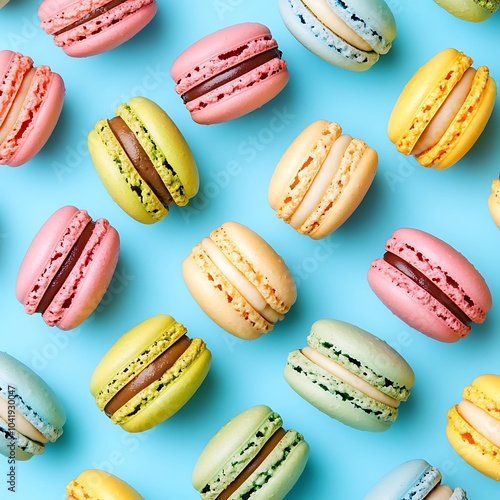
(469, 10)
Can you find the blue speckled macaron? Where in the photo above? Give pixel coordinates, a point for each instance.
(413, 480)
(30, 412)
(346, 33)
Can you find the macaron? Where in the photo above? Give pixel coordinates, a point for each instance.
(494, 202)
(229, 73)
(470, 10)
(31, 414)
(429, 285)
(442, 110)
(350, 375)
(68, 267)
(88, 27)
(149, 373)
(3, 3)
(321, 179)
(239, 281)
(415, 479)
(31, 100)
(251, 456)
(474, 425)
(350, 34)
(95, 484)
(143, 160)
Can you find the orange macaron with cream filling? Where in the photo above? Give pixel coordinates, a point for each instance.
(442, 110)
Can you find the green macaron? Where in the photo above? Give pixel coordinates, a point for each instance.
(350, 375)
(251, 456)
(470, 10)
(143, 160)
(149, 373)
(30, 412)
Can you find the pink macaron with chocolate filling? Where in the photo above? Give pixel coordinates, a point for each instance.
(230, 73)
(88, 27)
(68, 267)
(430, 285)
(31, 100)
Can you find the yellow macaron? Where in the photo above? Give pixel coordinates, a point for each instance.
(494, 202)
(474, 425)
(442, 110)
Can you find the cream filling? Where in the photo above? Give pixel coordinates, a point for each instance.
(325, 14)
(485, 424)
(21, 424)
(441, 492)
(445, 114)
(17, 105)
(320, 184)
(346, 376)
(240, 282)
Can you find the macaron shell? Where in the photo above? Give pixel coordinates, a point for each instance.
(44, 121)
(469, 10)
(94, 484)
(173, 398)
(410, 480)
(422, 95)
(372, 20)
(106, 152)
(466, 127)
(451, 265)
(24, 449)
(132, 17)
(91, 283)
(494, 202)
(223, 41)
(169, 139)
(40, 405)
(321, 41)
(3, 3)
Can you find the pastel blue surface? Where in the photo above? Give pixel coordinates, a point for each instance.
(236, 161)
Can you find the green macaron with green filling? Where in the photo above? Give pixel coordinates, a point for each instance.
(251, 456)
(143, 160)
(470, 10)
(351, 375)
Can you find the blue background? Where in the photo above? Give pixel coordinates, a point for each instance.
(236, 161)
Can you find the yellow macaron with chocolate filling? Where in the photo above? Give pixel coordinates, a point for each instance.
(442, 110)
(149, 373)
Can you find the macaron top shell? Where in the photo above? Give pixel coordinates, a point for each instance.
(223, 47)
(374, 359)
(131, 346)
(35, 400)
(373, 20)
(410, 480)
(468, 287)
(94, 484)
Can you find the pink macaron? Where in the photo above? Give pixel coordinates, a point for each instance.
(68, 267)
(430, 285)
(31, 99)
(229, 73)
(88, 27)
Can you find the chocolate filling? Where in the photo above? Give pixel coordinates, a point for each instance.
(148, 375)
(66, 268)
(140, 159)
(91, 15)
(268, 447)
(230, 74)
(421, 280)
